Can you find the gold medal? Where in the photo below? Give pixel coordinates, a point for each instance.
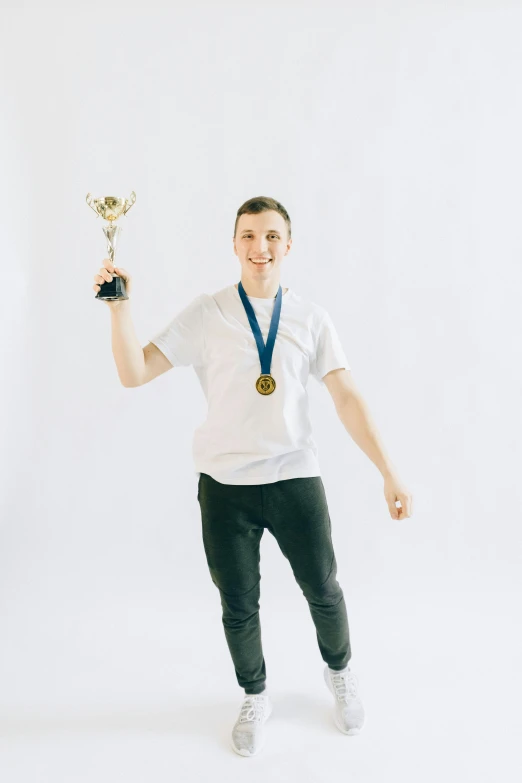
(265, 384)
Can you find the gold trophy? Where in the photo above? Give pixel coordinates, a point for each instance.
(111, 208)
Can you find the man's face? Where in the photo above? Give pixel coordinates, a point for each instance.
(261, 236)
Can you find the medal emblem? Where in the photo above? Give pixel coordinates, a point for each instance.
(265, 384)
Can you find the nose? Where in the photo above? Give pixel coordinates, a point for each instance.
(261, 249)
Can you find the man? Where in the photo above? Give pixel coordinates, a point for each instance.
(253, 346)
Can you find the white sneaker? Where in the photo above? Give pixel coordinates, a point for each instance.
(349, 711)
(248, 734)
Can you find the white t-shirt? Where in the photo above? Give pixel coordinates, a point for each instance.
(248, 437)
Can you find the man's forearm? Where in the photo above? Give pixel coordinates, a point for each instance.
(126, 348)
(356, 417)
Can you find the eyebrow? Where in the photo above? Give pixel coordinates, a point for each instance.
(269, 230)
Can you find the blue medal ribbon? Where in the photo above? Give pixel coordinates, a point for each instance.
(265, 351)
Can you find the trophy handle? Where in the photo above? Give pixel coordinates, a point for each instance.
(132, 199)
(89, 200)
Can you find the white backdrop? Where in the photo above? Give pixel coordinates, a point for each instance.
(391, 132)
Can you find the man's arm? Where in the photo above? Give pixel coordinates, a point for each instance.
(355, 415)
(136, 365)
(156, 363)
(126, 349)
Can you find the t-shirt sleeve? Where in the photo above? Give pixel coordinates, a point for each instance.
(329, 353)
(182, 339)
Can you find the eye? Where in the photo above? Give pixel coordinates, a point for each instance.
(249, 235)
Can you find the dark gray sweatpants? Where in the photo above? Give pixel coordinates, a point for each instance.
(295, 511)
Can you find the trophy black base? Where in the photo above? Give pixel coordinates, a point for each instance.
(115, 289)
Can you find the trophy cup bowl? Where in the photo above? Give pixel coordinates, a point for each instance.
(110, 208)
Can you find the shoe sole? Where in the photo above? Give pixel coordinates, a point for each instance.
(245, 753)
(349, 732)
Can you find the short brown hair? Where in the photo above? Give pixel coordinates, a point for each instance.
(263, 204)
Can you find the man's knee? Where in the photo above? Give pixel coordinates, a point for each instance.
(239, 603)
(327, 593)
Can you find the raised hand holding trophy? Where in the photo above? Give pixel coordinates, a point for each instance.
(111, 208)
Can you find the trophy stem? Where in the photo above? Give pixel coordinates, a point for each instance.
(116, 288)
(112, 233)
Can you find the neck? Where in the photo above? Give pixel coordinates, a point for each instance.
(261, 290)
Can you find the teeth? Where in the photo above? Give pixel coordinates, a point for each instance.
(260, 262)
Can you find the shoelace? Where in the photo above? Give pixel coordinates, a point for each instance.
(345, 685)
(252, 709)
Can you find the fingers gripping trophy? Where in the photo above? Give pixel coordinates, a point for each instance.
(110, 286)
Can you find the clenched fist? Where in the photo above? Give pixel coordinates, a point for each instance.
(107, 272)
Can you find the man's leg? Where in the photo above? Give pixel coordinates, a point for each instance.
(295, 511)
(232, 533)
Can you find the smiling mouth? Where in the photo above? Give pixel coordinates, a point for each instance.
(260, 263)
